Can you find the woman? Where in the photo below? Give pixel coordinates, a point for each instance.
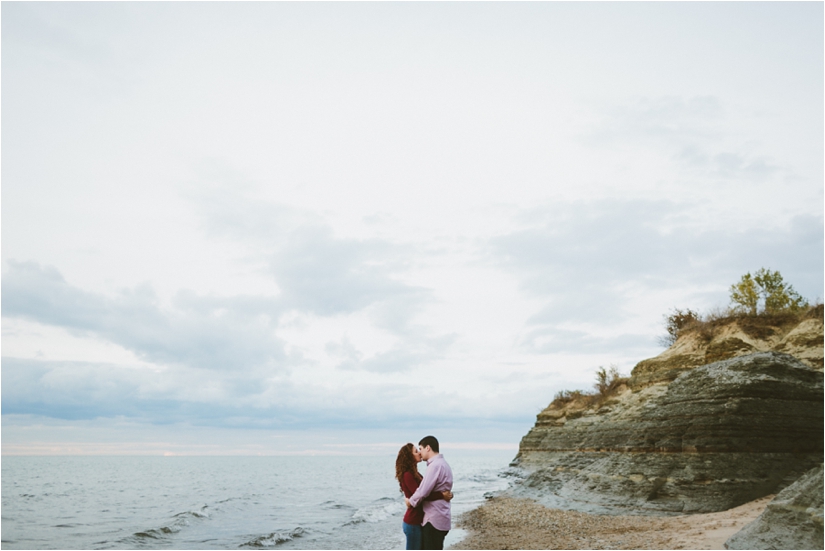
(406, 472)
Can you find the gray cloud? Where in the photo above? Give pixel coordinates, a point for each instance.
(323, 275)
(85, 390)
(581, 258)
(412, 353)
(416, 345)
(66, 389)
(728, 165)
(691, 130)
(215, 333)
(543, 340)
(326, 275)
(316, 271)
(227, 211)
(232, 337)
(577, 253)
(346, 351)
(672, 119)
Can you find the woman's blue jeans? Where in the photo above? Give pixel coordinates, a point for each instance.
(413, 533)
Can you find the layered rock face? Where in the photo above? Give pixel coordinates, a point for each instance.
(802, 339)
(793, 520)
(717, 436)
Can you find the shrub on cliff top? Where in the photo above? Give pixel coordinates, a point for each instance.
(676, 322)
(607, 384)
(608, 381)
(563, 397)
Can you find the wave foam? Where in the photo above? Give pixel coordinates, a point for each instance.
(179, 521)
(275, 538)
(379, 510)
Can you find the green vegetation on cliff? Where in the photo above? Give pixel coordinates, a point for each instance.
(765, 292)
(759, 304)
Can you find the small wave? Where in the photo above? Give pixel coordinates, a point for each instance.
(335, 505)
(179, 522)
(242, 498)
(193, 514)
(157, 533)
(377, 511)
(275, 538)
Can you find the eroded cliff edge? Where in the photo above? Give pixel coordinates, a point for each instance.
(715, 421)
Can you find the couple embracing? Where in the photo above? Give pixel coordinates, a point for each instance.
(427, 519)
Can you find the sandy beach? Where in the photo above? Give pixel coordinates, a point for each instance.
(508, 523)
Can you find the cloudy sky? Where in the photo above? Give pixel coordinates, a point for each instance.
(334, 227)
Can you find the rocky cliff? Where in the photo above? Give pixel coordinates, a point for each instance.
(793, 520)
(717, 420)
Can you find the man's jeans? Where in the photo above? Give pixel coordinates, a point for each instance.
(431, 537)
(413, 533)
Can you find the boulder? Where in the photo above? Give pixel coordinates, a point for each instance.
(793, 520)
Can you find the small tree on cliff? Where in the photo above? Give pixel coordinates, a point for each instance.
(675, 322)
(608, 380)
(766, 289)
(744, 295)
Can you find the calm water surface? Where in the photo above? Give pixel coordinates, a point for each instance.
(220, 502)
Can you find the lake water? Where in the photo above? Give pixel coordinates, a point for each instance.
(306, 502)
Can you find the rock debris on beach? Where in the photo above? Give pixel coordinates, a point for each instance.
(511, 523)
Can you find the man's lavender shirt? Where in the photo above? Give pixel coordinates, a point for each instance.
(439, 478)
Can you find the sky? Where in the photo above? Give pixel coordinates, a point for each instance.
(333, 228)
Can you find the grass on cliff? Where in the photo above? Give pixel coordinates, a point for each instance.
(759, 326)
(608, 382)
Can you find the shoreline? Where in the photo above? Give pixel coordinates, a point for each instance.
(518, 523)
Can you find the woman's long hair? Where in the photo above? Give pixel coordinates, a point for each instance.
(405, 462)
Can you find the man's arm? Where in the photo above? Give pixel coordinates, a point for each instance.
(427, 485)
(446, 495)
(435, 496)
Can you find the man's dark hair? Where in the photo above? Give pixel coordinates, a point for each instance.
(429, 441)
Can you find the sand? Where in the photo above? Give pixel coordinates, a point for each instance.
(509, 523)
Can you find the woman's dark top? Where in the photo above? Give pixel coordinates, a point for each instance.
(415, 515)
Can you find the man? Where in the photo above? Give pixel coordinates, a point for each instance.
(439, 477)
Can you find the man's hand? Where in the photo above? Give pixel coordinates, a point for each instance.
(407, 501)
(448, 495)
